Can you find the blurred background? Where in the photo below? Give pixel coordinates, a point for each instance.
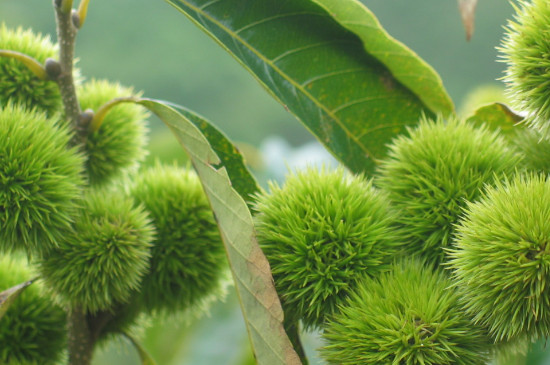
(153, 47)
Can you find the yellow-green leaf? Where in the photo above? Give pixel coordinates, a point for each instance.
(241, 178)
(405, 65)
(497, 116)
(260, 304)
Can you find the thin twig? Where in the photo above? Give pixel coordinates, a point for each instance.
(66, 35)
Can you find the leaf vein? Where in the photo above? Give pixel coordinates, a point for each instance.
(357, 101)
(271, 18)
(377, 127)
(277, 352)
(284, 75)
(204, 6)
(330, 74)
(304, 48)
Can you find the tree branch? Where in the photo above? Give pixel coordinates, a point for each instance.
(66, 35)
(80, 341)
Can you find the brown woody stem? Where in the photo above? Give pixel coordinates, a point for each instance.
(80, 340)
(66, 36)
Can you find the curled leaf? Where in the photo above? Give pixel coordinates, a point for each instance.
(260, 304)
(497, 116)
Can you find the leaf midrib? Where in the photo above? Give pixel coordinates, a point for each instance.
(297, 86)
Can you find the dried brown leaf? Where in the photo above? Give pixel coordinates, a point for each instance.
(467, 13)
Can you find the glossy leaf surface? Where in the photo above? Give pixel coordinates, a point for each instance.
(259, 301)
(405, 65)
(318, 70)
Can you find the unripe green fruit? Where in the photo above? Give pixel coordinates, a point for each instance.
(17, 83)
(534, 149)
(410, 315)
(40, 180)
(525, 50)
(502, 259)
(103, 260)
(187, 257)
(322, 232)
(433, 172)
(33, 329)
(119, 144)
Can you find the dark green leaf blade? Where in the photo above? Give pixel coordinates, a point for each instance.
(241, 178)
(259, 301)
(405, 65)
(497, 116)
(8, 296)
(320, 72)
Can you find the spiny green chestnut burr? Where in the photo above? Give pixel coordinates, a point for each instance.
(409, 315)
(501, 262)
(124, 318)
(322, 232)
(119, 143)
(525, 50)
(102, 261)
(33, 330)
(187, 257)
(17, 83)
(40, 181)
(534, 149)
(433, 172)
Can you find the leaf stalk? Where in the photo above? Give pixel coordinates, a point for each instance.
(99, 116)
(32, 64)
(82, 13)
